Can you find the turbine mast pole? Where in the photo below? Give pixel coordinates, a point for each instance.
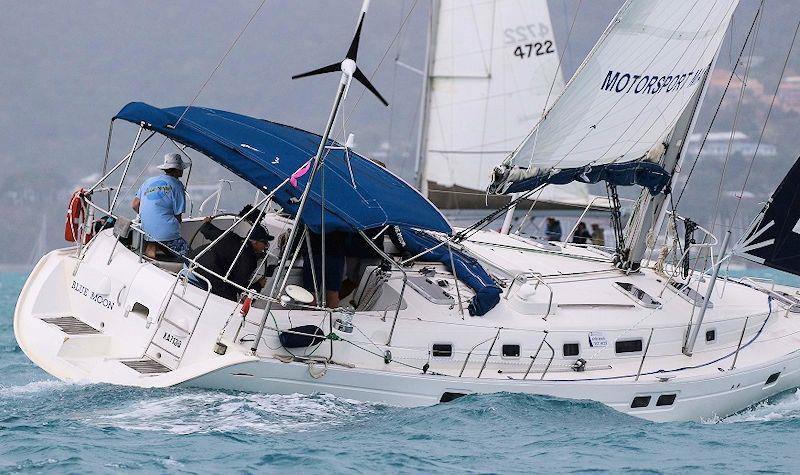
(349, 70)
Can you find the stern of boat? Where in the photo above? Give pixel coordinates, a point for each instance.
(91, 321)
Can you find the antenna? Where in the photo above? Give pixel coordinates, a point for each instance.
(348, 66)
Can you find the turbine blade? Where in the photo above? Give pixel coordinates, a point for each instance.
(359, 75)
(331, 68)
(352, 52)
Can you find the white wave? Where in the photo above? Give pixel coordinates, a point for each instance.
(207, 411)
(35, 387)
(785, 406)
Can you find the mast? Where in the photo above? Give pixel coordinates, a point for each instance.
(420, 177)
(651, 209)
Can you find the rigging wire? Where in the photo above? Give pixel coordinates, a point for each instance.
(346, 117)
(766, 121)
(222, 60)
(393, 87)
(602, 39)
(561, 59)
(199, 91)
(525, 218)
(742, 91)
(719, 105)
(652, 98)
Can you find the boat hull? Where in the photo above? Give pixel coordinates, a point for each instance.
(710, 389)
(698, 400)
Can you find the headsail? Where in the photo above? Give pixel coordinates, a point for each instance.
(625, 98)
(774, 238)
(494, 69)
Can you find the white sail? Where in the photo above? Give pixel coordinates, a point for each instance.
(494, 65)
(629, 92)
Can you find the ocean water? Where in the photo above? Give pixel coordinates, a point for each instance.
(50, 426)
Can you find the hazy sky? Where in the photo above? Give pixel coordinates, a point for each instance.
(67, 67)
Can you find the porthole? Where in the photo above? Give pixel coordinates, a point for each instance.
(640, 401)
(511, 351)
(711, 336)
(572, 349)
(442, 350)
(448, 396)
(665, 400)
(772, 378)
(628, 346)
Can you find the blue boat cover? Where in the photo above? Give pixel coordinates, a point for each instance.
(266, 153)
(468, 269)
(647, 174)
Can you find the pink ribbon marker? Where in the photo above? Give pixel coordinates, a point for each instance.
(300, 172)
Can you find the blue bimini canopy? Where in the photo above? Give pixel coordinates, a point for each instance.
(267, 153)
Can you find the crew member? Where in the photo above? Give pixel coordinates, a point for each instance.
(160, 203)
(582, 235)
(221, 255)
(335, 244)
(553, 229)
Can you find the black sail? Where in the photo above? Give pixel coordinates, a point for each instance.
(774, 238)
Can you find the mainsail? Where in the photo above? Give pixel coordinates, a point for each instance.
(493, 70)
(625, 99)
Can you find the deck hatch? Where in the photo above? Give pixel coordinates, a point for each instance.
(689, 294)
(71, 326)
(146, 366)
(638, 295)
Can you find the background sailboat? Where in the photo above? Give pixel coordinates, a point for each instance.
(493, 69)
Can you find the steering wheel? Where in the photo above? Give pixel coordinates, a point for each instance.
(221, 215)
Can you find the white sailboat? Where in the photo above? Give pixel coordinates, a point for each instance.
(454, 311)
(493, 69)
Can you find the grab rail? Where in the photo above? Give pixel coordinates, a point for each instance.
(533, 358)
(784, 298)
(644, 355)
(550, 361)
(739, 346)
(489, 353)
(217, 194)
(469, 354)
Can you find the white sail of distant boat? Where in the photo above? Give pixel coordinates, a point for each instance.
(493, 69)
(629, 93)
(40, 244)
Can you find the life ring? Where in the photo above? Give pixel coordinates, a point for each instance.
(76, 213)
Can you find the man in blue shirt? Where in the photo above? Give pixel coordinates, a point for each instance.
(160, 203)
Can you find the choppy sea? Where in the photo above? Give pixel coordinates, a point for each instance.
(50, 426)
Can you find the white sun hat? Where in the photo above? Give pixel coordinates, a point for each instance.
(173, 161)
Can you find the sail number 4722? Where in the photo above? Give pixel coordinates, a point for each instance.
(538, 48)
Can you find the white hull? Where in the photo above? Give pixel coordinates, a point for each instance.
(110, 299)
(701, 399)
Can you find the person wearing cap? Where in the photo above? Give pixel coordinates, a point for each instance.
(160, 203)
(219, 257)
